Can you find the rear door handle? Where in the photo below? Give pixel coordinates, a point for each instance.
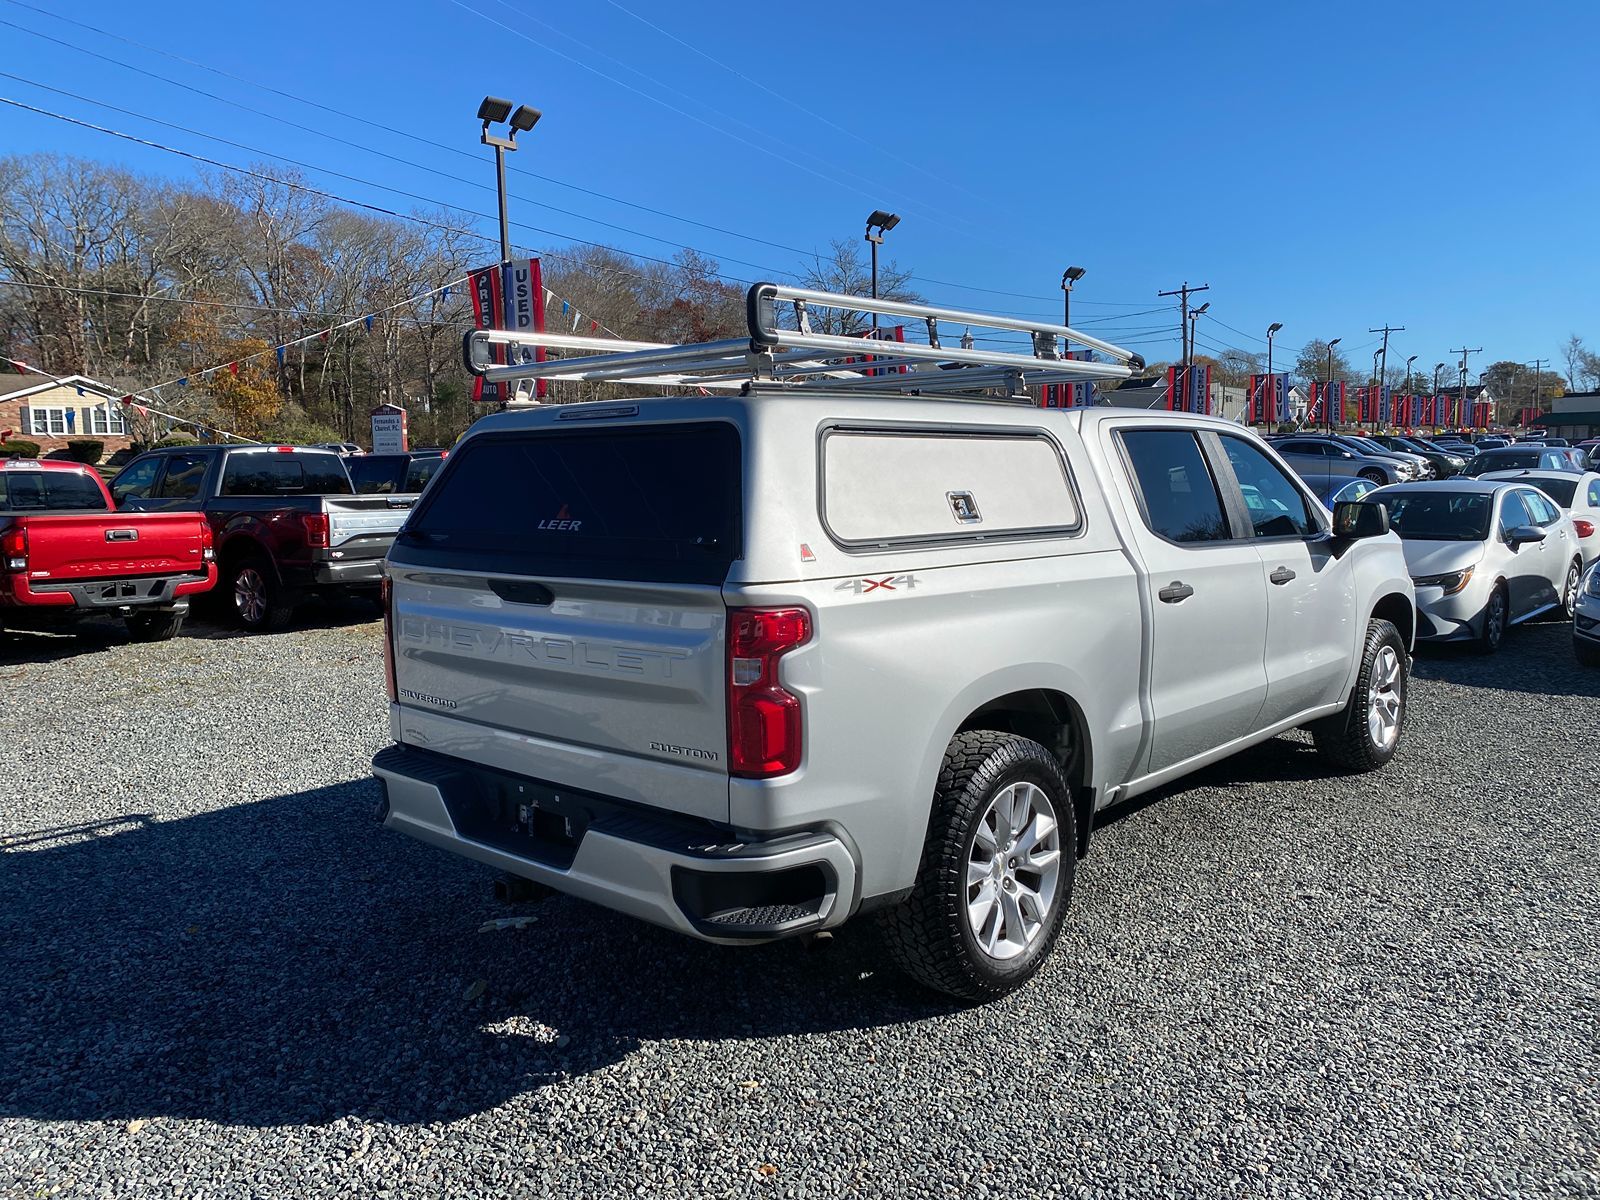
(1281, 576)
(1175, 592)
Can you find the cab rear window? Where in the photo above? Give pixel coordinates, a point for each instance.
(274, 473)
(655, 503)
(39, 490)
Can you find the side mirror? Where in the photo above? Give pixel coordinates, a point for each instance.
(1523, 535)
(1356, 519)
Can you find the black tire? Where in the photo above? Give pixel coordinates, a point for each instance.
(1572, 590)
(1347, 738)
(155, 626)
(255, 597)
(1496, 620)
(1587, 652)
(929, 936)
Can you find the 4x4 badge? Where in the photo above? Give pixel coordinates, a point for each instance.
(888, 583)
(964, 507)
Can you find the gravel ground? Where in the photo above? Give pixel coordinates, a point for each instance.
(218, 976)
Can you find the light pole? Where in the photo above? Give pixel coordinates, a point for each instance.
(1327, 387)
(1376, 394)
(1068, 277)
(494, 109)
(882, 222)
(1194, 319)
(1409, 361)
(1437, 367)
(1271, 382)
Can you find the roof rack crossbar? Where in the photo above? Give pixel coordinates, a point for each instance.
(802, 358)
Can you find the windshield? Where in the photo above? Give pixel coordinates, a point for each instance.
(1437, 516)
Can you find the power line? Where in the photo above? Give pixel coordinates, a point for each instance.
(164, 299)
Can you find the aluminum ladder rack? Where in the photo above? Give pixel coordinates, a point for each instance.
(802, 359)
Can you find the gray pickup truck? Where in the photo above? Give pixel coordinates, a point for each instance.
(286, 521)
(750, 667)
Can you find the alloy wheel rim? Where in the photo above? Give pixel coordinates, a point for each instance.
(1569, 598)
(1497, 618)
(1013, 871)
(249, 594)
(1384, 701)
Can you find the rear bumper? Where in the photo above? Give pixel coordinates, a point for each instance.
(685, 874)
(102, 594)
(344, 572)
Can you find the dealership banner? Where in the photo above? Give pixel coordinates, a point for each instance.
(488, 311)
(523, 289)
(1189, 389)
(1079, 394)
(1269, 399)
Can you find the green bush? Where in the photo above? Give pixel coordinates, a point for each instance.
(86, 450)
(178, 439)
(301, 431)
(19, 448)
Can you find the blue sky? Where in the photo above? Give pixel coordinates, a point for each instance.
(1430, 165)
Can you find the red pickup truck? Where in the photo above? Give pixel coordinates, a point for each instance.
(66, 552)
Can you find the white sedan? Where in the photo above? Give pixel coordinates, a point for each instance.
(1579, 495)
(1483, 556)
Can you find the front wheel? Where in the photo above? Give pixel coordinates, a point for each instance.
(1494, 621)
(1366, 734)
(996, 872)
(1376, 477)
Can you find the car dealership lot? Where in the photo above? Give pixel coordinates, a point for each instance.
(216, 969)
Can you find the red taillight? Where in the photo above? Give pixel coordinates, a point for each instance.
(386, 598)
(316, 529)
(208, 542)
(764, 727)
(1584, 528)
(14, 549)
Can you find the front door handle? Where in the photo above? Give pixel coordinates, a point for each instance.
(1175, 592)
(1281, 576)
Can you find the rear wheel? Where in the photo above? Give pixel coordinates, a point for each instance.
(996, 873)
(155, 626)
(1366, 734)
(1494, 620)
(259, 604)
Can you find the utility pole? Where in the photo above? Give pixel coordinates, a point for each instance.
(1183, 319)
(1464, 351)
(1383, 356)
(1538, 365)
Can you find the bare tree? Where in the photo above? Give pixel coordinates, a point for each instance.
(846, 269)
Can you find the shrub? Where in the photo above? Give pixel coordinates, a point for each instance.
(301, 431)
(19, 448)
(178, 439)
(86, 450)
(121, 458)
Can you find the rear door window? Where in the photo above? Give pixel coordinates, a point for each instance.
(1179, 498)
(655, 503)
(41, 490)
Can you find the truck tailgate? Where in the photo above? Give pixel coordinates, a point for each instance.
(364, 526)
(68, 547)
(557, 610)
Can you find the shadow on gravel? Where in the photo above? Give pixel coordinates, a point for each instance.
(290, 962)
(1534, 658)
(1281, 760)
(96, 634)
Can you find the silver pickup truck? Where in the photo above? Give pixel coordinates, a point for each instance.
(842, 643)
(749, 667)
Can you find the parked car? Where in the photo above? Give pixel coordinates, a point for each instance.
(1483, 556)
(1586, 620)
(1343, 458)
(65, 553)
(1490, 441)
(1444, 463)
(1576, 495)
(1355, 489)
(690, 658)
(1554, 441)
(1455, 445)
(287, 521)
(393, 474)
(1520, 458)
(340, 448)
(1329, 486)
(1423, 468)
